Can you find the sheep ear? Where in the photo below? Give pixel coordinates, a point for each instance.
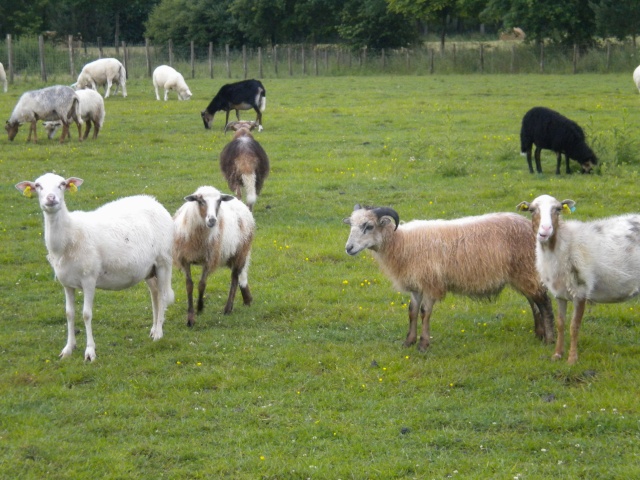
(225, 198)
(191, 198)
(523, 206)
(26, 188)
(347, 220)
(357, 207)
(568, 206)
(73, 183)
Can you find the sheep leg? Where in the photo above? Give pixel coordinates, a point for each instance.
(32, 128)
(258, 116)
(106, 93)
(70, 298)
(96, 129)
(65, 132)
(537, 157)
(166, 94)
(86, 130)
(529, 160)
(189, 284)
(576, 321)
(156, 307)
(566, 157)
(157, 93)
(228, 308)
(87, 314)
(243, 280)
(415, 306)
(562, 313)
(558, 162)
(542, 317)
(425, 336)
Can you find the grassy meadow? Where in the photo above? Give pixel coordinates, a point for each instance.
(311, 380)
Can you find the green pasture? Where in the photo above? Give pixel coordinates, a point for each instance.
(311, 380)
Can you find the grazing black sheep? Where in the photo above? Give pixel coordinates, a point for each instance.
(550, 130)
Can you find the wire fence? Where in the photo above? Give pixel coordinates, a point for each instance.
(39, 58)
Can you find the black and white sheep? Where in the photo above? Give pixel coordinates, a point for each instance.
(103, 72)
(111, 248)
(51, 103)
(580, 262)
(473, 256)
(169, 78)
(244, 163)
(3, 78)
(237, 96)
(550, 130)
(213, 230)
(91, 111)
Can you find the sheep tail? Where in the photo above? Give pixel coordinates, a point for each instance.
(249, 182)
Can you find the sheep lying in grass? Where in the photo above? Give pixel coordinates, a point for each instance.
(473, 256)
(582, 262)
(548, 129)
(111, 248)
(213, 230)
(103, 72)
(244, 163)
(91, 111)
(170, 79)
(51, 103)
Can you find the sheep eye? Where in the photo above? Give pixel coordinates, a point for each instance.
(367, 228)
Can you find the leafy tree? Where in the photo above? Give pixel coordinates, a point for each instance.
(617, 18)
(563, 22)
(22, 18)
(370, 23)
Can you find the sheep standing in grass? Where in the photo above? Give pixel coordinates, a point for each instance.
(636, 78)
(111, 248)
(51, 103)
(548, 129)
(473, 256)
(91, 111)
(170, 79)
(582, 262)
(213, 230)
(244, 163)
(237, 96)
(103, 72)
(3, 78)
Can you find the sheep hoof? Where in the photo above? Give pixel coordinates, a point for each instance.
(89, 354)
(556, 356)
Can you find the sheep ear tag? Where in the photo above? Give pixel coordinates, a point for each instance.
(567, 209)
(73, 188)
(27, 192)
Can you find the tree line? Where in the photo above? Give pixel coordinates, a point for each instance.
(352, 23)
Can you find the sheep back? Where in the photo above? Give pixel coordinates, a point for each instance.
(51, 103)
(473, 256)
(244, 156)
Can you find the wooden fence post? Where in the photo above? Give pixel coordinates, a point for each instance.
(315, 59)
(383, 59)
(125, 58)
(72, 70)
(100, 53)
(275, 59)
(608, 54)
(226, 51)
(513, 59)
(170, 53)
(147, 53)
(431, 57)
(541, 57)
(304, 61)
(10, 57)
(244, 61)
(193, 60)
(289, 60)
(575, 58)
(481, 58)
(43, 70)
(259, 62)
(210, 59)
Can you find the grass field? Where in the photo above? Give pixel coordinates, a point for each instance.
(312, 381)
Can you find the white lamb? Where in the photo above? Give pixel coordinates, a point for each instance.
(103, 72)
(582, 262)
(213, 230)
(52, 103)
(111, 248)
(636, 77)
(91, 111)
(3, 78)
(170, 79)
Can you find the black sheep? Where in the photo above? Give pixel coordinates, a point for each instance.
(550, 130)
(243, 95)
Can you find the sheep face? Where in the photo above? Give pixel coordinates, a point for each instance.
(12, 129)
(52, 127)
(207, 119)
(50, 189)
(368, 227)
(545, 213)
(184, 94)
(209, 200)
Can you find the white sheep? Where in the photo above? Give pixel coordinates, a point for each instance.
(170, 79)
(213, 230)
(103, 72)
(111, 248)
(51, 103)
(580, 262)
(3, 78)
(636, 77)
(91, 111)
(473, 256)
(244, 163)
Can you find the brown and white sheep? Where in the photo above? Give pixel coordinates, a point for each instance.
(473, 256)
(244, 163)
(213, 229)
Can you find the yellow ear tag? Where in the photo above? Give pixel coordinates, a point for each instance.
(566, 209)
(73, 188)
(27, 192)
